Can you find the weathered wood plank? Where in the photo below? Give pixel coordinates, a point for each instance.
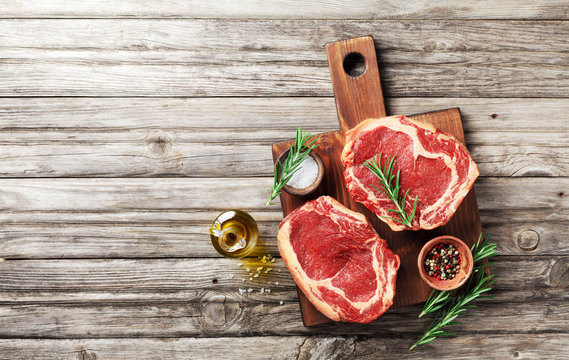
(118, 194)
(144, 235)
(518, 346)
(230, 137)
(159, 141)
(150, 153)
(251, 348)
(463, 347)
(69, 218)
(172, 298)
(196, 281)
(223, 315)
(337, 9)
(277, 41)
(275, 58)
(110, 240)
(317, 114)
(232, 315)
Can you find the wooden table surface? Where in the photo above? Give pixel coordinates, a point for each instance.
(127, 126)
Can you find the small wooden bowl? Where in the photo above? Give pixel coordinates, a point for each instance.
(315, 184)
(466, 265)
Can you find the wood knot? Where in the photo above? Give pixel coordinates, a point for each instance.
(494, 116)
(528, 240)
(430, 46)
(160, 143)
(220, 311)
(559, 273)
(86, 355)
(326, 142)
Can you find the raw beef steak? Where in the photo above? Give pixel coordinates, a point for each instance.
(337, 259)
(434, 166)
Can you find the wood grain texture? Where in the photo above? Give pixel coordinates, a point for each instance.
(264, 40)
(170, 308)
(253, 348)
(134, 281)
(229, 153)
(357, 97)
(108, 198)
(277, 57)
(79, 137)
(481, 116)
(503, 346)
(171, 235)
(131, 218)
(319, 9)
(177, 298)
(222, 315)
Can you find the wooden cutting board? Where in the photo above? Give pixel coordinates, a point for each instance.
(359, 98)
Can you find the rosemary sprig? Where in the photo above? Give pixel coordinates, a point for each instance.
(458, 306)
(478, 284)
(483, 250)
(386, 177)
(298, 152)
(438, 299)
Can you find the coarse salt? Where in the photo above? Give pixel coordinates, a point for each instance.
(306, 174)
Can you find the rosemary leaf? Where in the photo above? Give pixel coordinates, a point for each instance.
(436, 300)
(391, 190)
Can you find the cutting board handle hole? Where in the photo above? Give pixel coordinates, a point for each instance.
(355, 64)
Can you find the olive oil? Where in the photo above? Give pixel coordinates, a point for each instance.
(234, 233)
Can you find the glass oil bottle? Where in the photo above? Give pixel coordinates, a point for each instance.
(234, 233)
